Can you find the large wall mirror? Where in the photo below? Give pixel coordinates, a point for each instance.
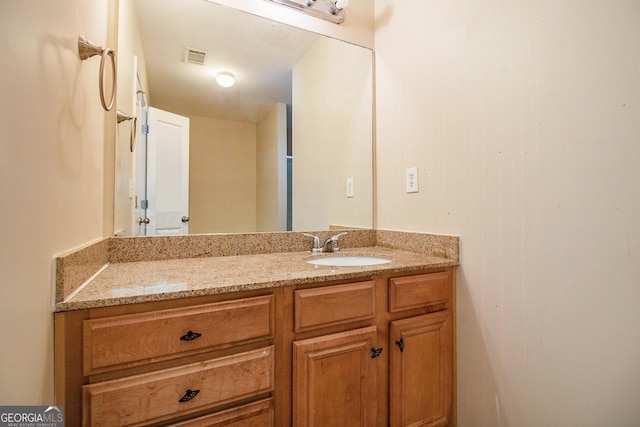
(287, 147)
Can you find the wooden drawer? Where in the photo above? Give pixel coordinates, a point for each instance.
(419, 291)
(175, 392)
(256, 414)
(331, 305)
(130, 340)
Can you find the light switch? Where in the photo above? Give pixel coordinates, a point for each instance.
(349, 187)
(412, 180)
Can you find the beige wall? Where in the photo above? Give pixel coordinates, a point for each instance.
(271, 170)
(56, 192)
(222, 181)
(332, 119)
(524, 121)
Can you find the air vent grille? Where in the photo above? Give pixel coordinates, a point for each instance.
(195, 56)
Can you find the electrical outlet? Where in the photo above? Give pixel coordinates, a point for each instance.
(412, 180)
(349, 187)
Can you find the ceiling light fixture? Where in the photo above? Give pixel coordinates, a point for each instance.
(225, 79)
(341, 4)
(329, 10)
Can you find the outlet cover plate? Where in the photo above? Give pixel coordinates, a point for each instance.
(412, 180)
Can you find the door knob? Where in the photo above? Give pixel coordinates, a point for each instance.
(185, 219)
(143, 221)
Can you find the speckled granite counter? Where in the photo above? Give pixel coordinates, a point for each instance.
(117, 283)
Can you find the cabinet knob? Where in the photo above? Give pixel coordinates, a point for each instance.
(190, 394)
(401, 344)
(190, 336)
(375, 352)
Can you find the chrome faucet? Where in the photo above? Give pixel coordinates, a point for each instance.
(334, 242)
(316, 243)
(317, 248)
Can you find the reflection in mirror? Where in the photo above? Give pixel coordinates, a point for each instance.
(287, 147)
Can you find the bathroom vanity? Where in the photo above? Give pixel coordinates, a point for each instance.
(261, 340)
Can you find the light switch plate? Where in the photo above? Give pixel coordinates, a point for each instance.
(349, 187)
(412, 180)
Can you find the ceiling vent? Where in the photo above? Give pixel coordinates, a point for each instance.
(195, 56)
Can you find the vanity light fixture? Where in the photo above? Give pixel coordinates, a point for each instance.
(225, 79)
(329, 10)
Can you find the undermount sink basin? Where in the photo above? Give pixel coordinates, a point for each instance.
(348, 260)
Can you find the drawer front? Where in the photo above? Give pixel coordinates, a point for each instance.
(332, 305)
(257, 414)
(419, 291)
(123, 341)
(171, 393)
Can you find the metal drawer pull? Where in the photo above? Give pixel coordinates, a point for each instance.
(375, 352)
(190, 336)
(190, 394)
(401, 344)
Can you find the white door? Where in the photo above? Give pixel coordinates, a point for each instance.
(167, 173)
(140, 165)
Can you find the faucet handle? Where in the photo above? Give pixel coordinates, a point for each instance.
(316, 243)
(334, 241)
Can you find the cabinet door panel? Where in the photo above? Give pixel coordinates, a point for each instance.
(421, 374)
(334, 380)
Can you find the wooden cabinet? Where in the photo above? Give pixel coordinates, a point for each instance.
(379, 351)
(375, 353)
(422, 350)
(157, 364)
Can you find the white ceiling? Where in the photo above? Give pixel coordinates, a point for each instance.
(259, 52)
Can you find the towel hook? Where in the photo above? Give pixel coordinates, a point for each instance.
(87, 49)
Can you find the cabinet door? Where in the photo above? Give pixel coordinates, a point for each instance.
(421, 371)
(334, 380)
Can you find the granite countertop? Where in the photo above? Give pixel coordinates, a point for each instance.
(157, 280)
